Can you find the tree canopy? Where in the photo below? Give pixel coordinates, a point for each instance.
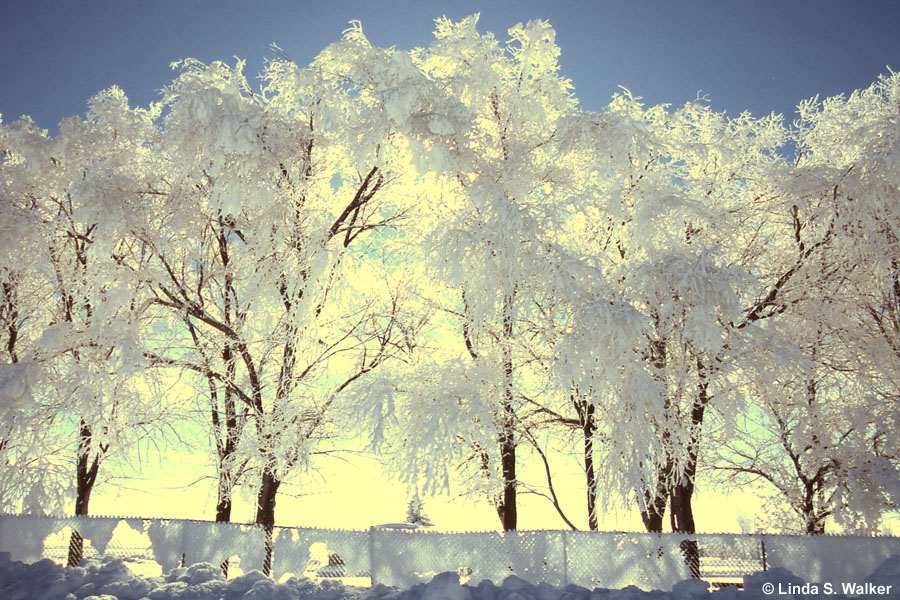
(437, 252)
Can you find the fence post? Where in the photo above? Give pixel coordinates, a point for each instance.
(184, 544)
(372, 554)
(762, 543)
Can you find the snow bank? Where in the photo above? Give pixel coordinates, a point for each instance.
(401, 557)
(110, 579)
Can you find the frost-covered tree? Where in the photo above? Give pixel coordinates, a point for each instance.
(674, 205)
(266, 251)
(28, 468)
(719, 165)
(74, 319)
(805, 445)
(499, 187)
(655, 285)
(815, 439)
(848, 151)
(823, 437)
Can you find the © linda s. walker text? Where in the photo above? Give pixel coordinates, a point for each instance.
(827, 588)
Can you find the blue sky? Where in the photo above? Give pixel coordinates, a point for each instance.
(760, 55)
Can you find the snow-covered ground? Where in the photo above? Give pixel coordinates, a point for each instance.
(111, 579)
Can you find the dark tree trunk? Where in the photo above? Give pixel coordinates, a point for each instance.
(223, 514)
(591, 478)
(507, 507)
(586, 412)
(223, 508)
(265, 514)
(682, 515)
(812, 485)
(226, 483)
(685, 490)
(227, 448)
(85, 478)
(814, 526)
(654, 506)
(226, 442)
(507, 423)
(682, 520)
(76, 549)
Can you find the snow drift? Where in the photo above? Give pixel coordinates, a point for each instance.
(110, 579)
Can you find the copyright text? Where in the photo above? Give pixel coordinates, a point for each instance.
(828, 588)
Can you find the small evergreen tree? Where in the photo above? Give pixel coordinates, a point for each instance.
(415, 514)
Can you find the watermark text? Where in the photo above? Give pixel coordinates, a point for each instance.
(827, 589)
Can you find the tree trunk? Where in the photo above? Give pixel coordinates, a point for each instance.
(507, 507)
(507, 438)
(589, 426)
(814, 526)
(223, 507)
(223, 512)
(653, 508)
(85, 478)
(682, 515)
(265, 514)
(683, 492)
(225, 471)
(682, 520)
(226, 448)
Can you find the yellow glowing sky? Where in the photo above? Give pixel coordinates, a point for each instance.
(353, 494)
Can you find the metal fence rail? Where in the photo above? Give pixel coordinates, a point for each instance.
(402, 557)
(61, 553)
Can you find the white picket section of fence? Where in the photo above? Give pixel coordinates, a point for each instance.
(403, 557)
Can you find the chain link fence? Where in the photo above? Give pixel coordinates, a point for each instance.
(403, 556)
